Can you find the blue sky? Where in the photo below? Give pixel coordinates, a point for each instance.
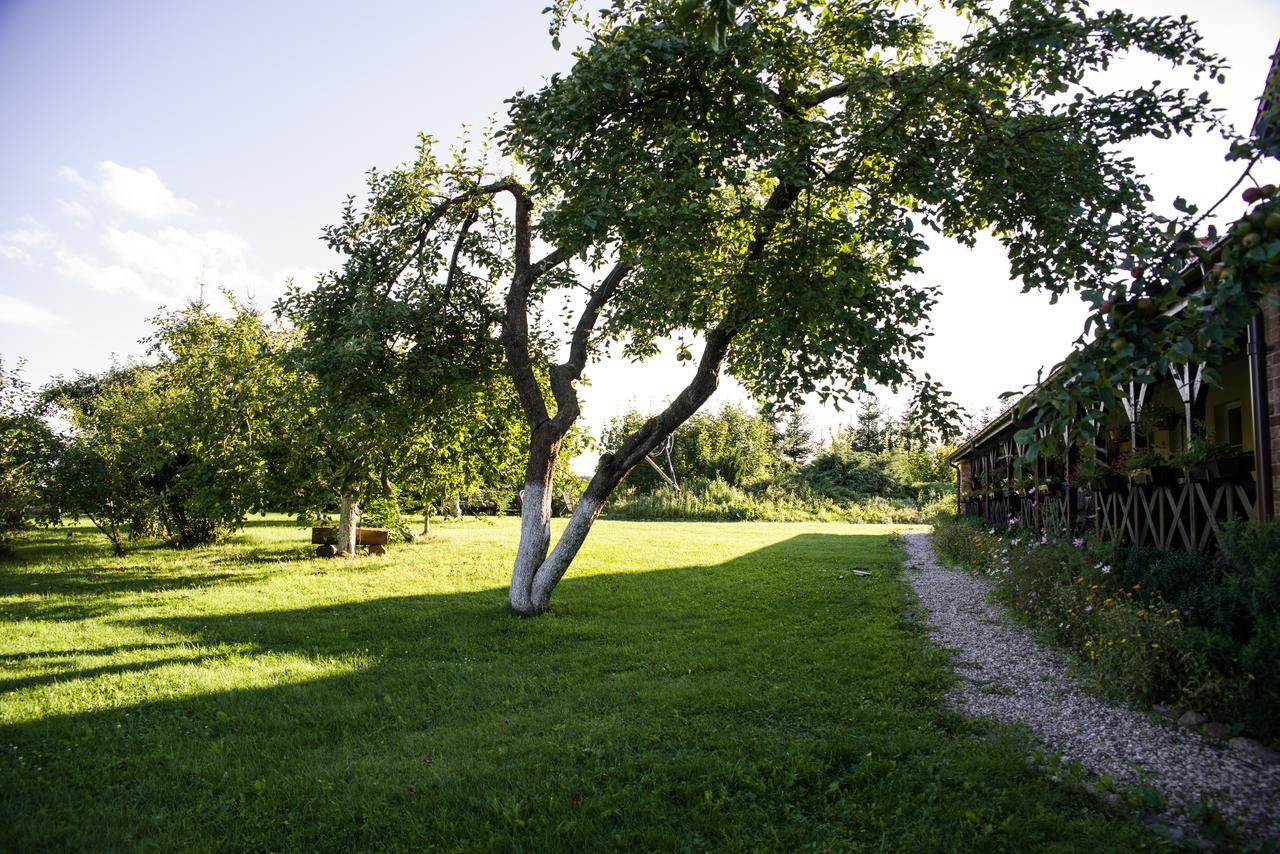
(146, 144)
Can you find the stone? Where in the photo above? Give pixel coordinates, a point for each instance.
(1254, 750)
(1190, 719)
(1162, 710)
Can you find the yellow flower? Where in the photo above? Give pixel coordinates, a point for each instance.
(1249, 676)
(1155, 646)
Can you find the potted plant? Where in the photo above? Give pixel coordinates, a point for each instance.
(1206, 460)
(1157, 416)
(1150, 465)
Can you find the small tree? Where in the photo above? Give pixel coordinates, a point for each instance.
(796, 443)
(400, 344)
(223, 378)
(104, 465)
(868, 432)
(26, 448)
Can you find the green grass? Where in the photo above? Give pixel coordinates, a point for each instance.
(697, 686)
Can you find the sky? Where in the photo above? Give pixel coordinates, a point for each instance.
(150, 146)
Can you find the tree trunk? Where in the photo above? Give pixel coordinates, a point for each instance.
(455, 510)
(542, 577)
(426, 520)
(348, 521)
(556, 563)
(535, 519)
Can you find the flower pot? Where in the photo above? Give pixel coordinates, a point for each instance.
(1140, 477)
(1200, 471)
(1227, 469)
(1164, 474)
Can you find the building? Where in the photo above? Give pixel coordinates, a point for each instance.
(1181, 500)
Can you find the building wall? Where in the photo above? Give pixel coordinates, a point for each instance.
(1271, 324)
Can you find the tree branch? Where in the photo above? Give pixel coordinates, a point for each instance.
(564, 375)
(457, 250)
(436, 213)
(515, 327)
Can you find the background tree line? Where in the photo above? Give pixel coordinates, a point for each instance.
(228, 415)
(738, 463)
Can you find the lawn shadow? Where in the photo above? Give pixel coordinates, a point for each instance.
(77, 593)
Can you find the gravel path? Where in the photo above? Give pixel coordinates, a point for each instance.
(1028, 683)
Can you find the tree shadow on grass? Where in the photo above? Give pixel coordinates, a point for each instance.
(772, 701)
(83, 592)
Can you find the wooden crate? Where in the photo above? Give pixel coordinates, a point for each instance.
(327, 534)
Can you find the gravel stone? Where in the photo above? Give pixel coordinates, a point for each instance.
(1003, 670)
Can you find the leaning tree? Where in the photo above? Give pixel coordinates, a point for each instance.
(757, 180)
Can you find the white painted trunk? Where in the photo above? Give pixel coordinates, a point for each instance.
(556, 563)
(456, 509)
(535, 536)
(348, 521)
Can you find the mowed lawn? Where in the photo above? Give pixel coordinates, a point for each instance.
(698, 686)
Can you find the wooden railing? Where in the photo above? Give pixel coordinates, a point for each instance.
(1185, 515)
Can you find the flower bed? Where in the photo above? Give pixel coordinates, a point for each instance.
(1157, 627)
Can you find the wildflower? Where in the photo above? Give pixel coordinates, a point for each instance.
(1088, 609)
(1137, 587)
(1249, 676)
(1105, 570)
(1155, 646)
(1078, 542)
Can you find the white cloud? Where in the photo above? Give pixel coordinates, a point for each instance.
(33, 235)
(160, 263)
(108, 278)
(140, 192)
(71, 176)
(75, 210)
(16, 312)
(16, 253)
